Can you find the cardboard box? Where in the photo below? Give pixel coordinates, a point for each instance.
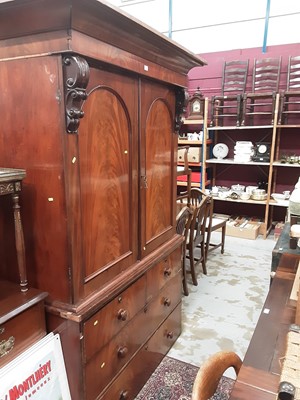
(245, 229)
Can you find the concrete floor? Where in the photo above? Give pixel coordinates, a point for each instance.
(221, 312)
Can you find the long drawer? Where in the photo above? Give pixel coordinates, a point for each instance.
(133, 377)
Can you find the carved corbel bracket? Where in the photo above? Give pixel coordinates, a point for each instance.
(182, 99)
(76, 76)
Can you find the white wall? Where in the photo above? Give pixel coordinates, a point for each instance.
(205, 26)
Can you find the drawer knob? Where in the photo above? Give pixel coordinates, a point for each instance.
(167, 302)
(122, 315)
(6, 346)
(170, 335)
(122, 352)
(167, 271)
(124, 395)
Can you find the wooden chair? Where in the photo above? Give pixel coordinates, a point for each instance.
(183, 223)
(290, 98)
(185, 170)
(197, 237)
(265, 83)
(210, 373)
(213, 224)
(229, 103)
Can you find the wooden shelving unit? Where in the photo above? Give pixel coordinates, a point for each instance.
(198, 167)
(278, 176)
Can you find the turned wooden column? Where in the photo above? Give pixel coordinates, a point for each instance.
(10, 184)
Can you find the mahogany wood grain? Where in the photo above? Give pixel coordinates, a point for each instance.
(101, 369)
(108, 179)
(118, 313)
(35, 143)
(157, 172)
(162, 273)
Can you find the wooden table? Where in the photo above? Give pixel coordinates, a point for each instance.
(260, 373)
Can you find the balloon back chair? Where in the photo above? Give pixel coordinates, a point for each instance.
(210, 373)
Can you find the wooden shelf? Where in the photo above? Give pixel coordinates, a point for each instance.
(193, 142)
(193, 122)
(280, 164)
(230, 161)
(250, 201)
(193, 184)
(238, 128)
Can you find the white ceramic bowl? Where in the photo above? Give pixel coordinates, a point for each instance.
(238, 188)
(245, 196)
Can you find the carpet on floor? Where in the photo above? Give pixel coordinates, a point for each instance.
(174, 379)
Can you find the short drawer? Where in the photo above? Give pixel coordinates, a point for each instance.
(22, 331)
(105, 365)
(162, 273)
(106, 323)
(131, 380)
(165, 302)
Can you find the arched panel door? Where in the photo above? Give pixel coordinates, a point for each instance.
(157, 166)
(108, 185)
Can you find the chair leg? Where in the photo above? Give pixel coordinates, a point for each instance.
(184, 280)
(192, 265)
(203, 258)
(223, 238)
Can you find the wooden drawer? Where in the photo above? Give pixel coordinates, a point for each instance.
(102, 368)
(134, 376)
(162, 273)
(22, 331)
(106, 323)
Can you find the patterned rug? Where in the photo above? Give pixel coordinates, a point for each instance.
(174, 379)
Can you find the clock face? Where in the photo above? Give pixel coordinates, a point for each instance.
(196, 106)
(262, 149)
(220, 150)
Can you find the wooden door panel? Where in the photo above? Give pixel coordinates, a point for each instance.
(104, 177)
(108, 179)
(157, 166)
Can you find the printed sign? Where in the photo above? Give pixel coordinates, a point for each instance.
(37, 374)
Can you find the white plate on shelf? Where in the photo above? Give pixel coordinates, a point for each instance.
(220, 150)
(278, 196)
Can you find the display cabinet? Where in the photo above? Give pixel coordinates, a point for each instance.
(93, 103)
